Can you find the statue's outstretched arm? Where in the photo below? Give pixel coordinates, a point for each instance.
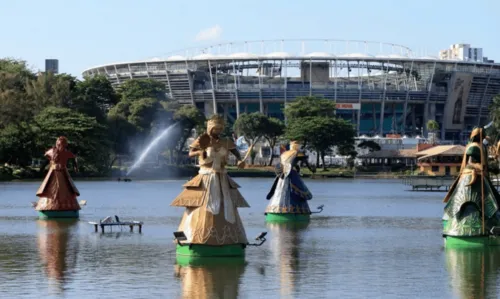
(236, 153)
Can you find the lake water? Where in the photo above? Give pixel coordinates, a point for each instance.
(373, 240)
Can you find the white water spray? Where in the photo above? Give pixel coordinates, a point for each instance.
(150, 146)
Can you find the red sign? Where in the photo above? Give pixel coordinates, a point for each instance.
(347, 106)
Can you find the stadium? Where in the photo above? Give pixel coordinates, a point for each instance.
(381, 87)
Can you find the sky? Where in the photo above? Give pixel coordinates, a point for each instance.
(86, 33)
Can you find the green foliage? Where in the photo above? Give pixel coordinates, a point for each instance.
(136, 89)
(17, 144)
(312, 120)
(50, 90)
(18, 68)
(88, 139)
(120, 133)
(252, 126)
(189, 118)
(94, 97)
(273, 130)
(100, 123)
(432, 126)
(310, 106)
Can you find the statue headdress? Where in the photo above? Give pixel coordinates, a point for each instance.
(215, 121)
(63, 140)
(476, 132)
(294, 144)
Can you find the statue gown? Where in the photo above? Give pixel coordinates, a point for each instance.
(463, 209)
(58, 192)
(289, 194)
(211, 200)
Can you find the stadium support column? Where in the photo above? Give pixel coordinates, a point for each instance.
(483, 97)
(214, 102)
(129, 71)
(407, 97)
(335, 80)
(236, 92)
(261, 104)
(147, 72)
(310, 77)
(426, 105)
(116, 74)
(382, 104)
(285, 89)
(190, 82)
(168, 81)
(360, 86)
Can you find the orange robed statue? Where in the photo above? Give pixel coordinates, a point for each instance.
(57, 194)
(211, 221)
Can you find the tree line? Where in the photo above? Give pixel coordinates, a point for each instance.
(104, 123)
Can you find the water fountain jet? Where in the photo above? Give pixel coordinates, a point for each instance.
(150, 146)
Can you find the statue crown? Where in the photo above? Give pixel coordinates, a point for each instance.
(216, 120)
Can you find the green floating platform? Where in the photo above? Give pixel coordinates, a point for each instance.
(198, 261)
(469, 241)
(199, 250)
(287, 217)
(479, 241)
(58, 214)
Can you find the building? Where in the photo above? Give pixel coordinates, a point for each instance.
(381, 88)
(462, 52)
(441, 160)
(433, 160)
(52, 65)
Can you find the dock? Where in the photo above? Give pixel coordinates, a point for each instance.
(428, 183)
(107, 222)
(438, 184)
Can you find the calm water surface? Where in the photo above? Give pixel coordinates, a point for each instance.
(373, 240)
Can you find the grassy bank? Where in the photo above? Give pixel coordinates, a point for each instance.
(187, 171)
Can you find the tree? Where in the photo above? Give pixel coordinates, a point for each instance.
(51, 90)
(18, 68)
(14, 108)
(349, 151)
(432, 127)
(310, 106)
(94, 96)
(17, 144)
(88, 139)
(120, 134)
(312, 120)
(189, 118)
(273, 129)
(252, 127)
(144, 113)
(136, 89)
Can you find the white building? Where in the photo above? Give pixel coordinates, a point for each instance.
(462, 52)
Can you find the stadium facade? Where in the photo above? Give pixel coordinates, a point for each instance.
(382, 88)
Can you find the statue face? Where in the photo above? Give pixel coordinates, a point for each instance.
(60, 144)
(296, 146)
(216, 131)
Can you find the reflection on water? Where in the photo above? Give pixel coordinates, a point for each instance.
(473, 271)
(56, 255)
(374, 240)
(285, 246)
(210, 278)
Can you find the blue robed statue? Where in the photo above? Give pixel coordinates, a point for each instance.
(289, 194)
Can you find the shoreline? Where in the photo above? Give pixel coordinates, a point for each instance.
(186, 172)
